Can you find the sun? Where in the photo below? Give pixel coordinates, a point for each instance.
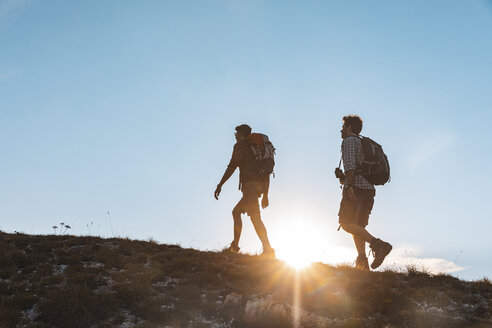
(297, 244)
(296, 260)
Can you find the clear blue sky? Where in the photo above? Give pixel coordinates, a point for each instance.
(130, 107)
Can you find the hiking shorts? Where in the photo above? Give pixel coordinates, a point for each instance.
(249, 204)
(356, 211)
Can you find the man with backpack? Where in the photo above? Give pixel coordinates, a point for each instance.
(358, 179)
(253, 154)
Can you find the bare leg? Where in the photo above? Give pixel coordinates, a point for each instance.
(260, 230)
(359, 232)
(360, 244)
(238, 225)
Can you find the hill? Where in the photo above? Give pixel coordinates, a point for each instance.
(69, 281)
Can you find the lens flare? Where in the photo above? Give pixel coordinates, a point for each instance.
(296, 245)
(294, 258)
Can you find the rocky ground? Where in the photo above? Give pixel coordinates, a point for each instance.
(68, 281)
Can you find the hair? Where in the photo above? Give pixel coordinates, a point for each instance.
(354, 121)
(244, 129)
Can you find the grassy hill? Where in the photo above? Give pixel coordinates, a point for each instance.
(68, 281)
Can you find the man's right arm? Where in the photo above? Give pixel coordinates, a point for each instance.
(233, 164)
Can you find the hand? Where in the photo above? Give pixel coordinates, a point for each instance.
(217, 191)
(351, 193)
(264, 201)
(339, 174)
(341, 180)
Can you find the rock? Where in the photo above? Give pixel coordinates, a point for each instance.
(260, 309)
(233, 299)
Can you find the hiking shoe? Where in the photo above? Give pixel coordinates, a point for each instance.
(268, 253)
(233, 249)
(361, 263)
(379, 250)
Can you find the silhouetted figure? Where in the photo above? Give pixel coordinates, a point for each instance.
(253, 154)
(358, 195)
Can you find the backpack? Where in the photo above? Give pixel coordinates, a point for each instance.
(263, 152)
(375, 167)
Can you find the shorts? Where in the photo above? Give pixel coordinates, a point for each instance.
(356, 211)
(249, 204)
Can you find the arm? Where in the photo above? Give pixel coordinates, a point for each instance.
(340, 175)
(349, 164)
(349, 178)
(264, 199)
(233, 164)
(227, 174)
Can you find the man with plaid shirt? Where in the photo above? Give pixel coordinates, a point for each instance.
(358, 196)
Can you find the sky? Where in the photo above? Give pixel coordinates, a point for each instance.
(117, 118)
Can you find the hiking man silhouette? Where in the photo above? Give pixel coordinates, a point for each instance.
(252, 185)
(358, 196)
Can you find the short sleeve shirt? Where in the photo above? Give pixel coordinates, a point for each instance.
(242, 157)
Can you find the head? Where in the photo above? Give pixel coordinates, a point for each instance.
(242, 131)
(352, 124)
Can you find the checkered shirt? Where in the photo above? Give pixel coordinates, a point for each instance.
(353, 157)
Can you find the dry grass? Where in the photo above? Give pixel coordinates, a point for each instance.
(68, 281)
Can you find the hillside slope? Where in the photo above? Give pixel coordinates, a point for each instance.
(68, 281)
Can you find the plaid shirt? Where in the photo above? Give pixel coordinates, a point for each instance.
(353, 157)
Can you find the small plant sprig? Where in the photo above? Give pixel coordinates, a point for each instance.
(89, 227)
(62, 226)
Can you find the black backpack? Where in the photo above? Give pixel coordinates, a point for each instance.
(375, 167)
(263, 152)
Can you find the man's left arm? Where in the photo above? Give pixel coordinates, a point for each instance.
(349, 154)
(264, 200)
